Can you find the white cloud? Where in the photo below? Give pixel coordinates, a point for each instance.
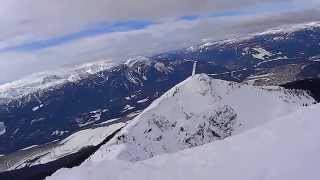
(26, 20)
(37, 19)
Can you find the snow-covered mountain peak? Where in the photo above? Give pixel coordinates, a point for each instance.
(279, 30)
(44, 80)
(282, 149)
(290, 28)
(137, 60)
(198, 111)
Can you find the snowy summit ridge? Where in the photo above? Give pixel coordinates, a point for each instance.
(198, 111)
(282, 149)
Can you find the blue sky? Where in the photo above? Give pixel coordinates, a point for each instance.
(94, 30)
(39, 35)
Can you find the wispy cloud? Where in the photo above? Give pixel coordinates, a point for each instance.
(30, 20)
(102, 28)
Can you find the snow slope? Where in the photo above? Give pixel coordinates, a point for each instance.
(45, 80)
(261, 53)
(282, 149)
(2, 128)
(70, 145)
(84, 138)
(198, 111)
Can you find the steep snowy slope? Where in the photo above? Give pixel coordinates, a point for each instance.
(282, 149)
(198, 111)
(36, 155)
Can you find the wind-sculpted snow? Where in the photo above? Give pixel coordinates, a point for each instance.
(198, 111)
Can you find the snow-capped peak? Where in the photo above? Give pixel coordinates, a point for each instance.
(44, 80)
(198, 111)
(290, 28)
(139, 59)
(284, 29)
(282, 149)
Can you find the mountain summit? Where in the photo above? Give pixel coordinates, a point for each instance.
(198, 111)
(282, 149)
(209, 128)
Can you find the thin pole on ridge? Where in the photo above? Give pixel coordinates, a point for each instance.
(194, 68)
